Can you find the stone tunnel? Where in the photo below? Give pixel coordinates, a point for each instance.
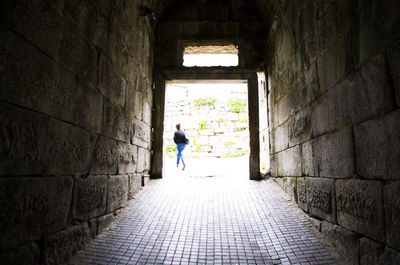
(82, 111)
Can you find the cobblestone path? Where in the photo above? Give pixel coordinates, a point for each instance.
(207, 220)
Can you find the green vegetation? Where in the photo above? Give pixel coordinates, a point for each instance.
(170, 148)
(237, 105)
(221, 120)
(242, 120)
(230, 143)
(203, 125)
(198, 102)
(234, 154)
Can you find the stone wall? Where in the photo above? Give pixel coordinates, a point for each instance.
(75, 115)
(335, 120)
(214, 130)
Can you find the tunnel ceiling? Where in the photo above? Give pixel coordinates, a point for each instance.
(263, 8)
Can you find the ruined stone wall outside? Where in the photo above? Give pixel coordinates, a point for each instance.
(335, 120)
(75, 116)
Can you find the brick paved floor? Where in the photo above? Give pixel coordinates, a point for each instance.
(207, 220)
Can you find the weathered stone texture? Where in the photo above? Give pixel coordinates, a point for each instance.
(365, 94)
(394, 63)
(360, 207)
(392, 213)
(321, 198)
(289, 162)
(90, 196)
(375, 143)
(302, 194)
(116, 122)
(105, 157)
(29, 254)
(31, 207)
(345, 241)
(104, 221)
(307, 159)
(110, 83)
(373, 253)
(69, 149)
(117, 194)
(135, 185)
(23, 137)
(89, 108)
(333, 155)
(59, 248)
(127, 159)
(32, 80)
(143, 160)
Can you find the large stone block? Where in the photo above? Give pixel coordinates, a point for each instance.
(116, 122)
(90, 196)
(147, 111)
(279, 139)
(30, 79)
(117, 194)
(135, 185)
(299, 128)
(394, 63)
(60, 247)
(143, 164)
(373, 253)
(365, 94)
(89, 108)
(289, 162)
(141, 134)
(105, 158)
(321, 198)
(127, 159)
(32, 207)
(359, 206)
(23, 136)
(110, 83)
(69, 150)
(378, 26)
(302, 194)
(375, 146)
(345, 241)
(104, 222)
(335, 64)
(307, 164)
(333, 155)
(392, 213)
(28, 254)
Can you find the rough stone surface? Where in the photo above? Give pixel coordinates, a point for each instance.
(372, 253)
(289, 162)
(321, 198)
(394, 62)
(361, 210)
(29, 254)
(392, 213)
(333, 155)
(104, 221)
(31, 207)
(374, 141)
(105, 157)
(90, 196)
(127, 160)
(117, 194)
(302, 194)
(135, 185)
(23, 137)
(58, 248)
(345, 241)
(143, 160)
(307, 159)
(69, 150)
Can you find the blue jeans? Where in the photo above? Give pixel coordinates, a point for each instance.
(179, 148)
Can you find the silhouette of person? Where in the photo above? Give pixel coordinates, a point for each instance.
(181, 141)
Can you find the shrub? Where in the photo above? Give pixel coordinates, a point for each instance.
(198, 102)
(237, 105)
(203, 124)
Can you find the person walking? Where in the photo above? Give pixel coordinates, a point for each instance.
(181, 141)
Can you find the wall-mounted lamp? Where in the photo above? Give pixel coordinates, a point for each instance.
(148, 15)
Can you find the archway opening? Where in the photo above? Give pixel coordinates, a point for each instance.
(214, 116)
